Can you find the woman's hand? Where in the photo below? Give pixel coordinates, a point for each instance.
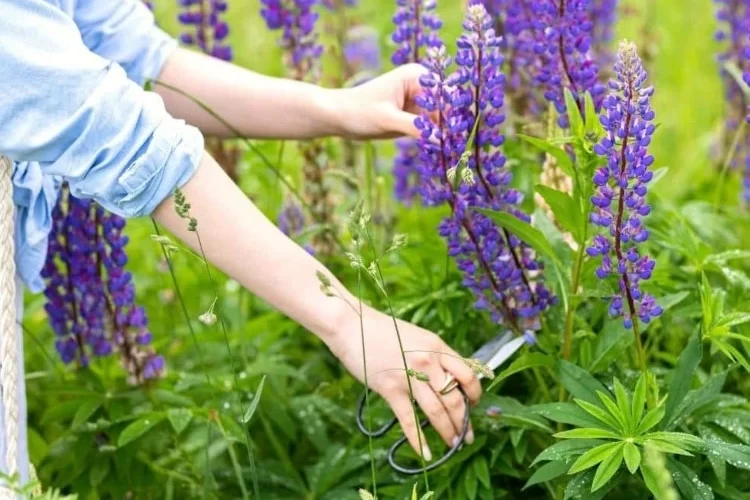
(425, 352)
(381, 108)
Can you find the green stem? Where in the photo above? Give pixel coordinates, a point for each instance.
(235, 462)
(367, 386)
(403, 355)
(727, 162)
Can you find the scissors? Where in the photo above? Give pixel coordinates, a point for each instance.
(492, 354)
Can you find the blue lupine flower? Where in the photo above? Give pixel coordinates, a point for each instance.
(734, 31)
(619, 201)
(498, 268)
(416, 30)
(296, 20)
(603, 18)
(90, 295)
(207, 30)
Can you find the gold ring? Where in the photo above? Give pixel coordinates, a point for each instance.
(449, 384)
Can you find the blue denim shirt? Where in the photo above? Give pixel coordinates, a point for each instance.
(72, 107)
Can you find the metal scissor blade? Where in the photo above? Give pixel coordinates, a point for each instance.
(505, 352)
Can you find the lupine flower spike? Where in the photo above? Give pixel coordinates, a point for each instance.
(734, 17)
(619, 202)
(497, 267)
(208, 32)
(90, 295)
(297, 22)
(416, 30)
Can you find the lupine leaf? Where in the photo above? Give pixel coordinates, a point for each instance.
(529, 234)
(681, 439)
(666, 447)
(734, 319)
(547, 472)
(613, 409)
(587, 433)
(574, 114)
(623, 404)
(681, 379)
(566, 413)
(639, 400)
(567, 213)
(595, 456)
(688, 482)
(524, 362)
(608, 468)
(562, 158)
(736, 454)
(599, 413)
(565, 449)
(579, 488)
(632, 456)
(580, 383)
(139, 428)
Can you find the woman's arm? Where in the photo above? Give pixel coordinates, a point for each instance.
(254, 252)
(262, 106)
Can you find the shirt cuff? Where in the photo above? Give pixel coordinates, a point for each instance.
(174, 154)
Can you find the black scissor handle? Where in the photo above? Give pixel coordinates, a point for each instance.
(437, 463)
(400, 442)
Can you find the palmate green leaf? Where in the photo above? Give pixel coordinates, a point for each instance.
(139, 428)
(696, 399)
(579, 488)
(529, 234)
(632, 456)
(681, 379)
(608, 468)
(567, 413)
(600, 414)
(623, 404)
(587, 433)
(724, 257)
(613, 409)
(665, 447)
(548, 472)
(567, 212)
(688, 482)
(681, 439)
(574, 115)
(594, 128)
(736, 454)
(639, 400)
(523, 362)
(579, 382)
(563, 450)
(610, 343)
(562, 158)
(595, 456)
(88, 407)
(733, 319)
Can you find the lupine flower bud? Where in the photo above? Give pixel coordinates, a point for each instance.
(619, 201)
(497, 266)
(734, 31)
(90, 295)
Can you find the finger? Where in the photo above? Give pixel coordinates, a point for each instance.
(404, 412)
(453, 401)
(456, 366)
(403, 123)
(433, 407)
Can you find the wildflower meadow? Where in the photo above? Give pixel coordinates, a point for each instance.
(581, 181)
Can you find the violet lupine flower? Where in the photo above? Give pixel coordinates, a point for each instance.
(734, 31)
(416, 30)
(90, 296)
(497, 267)
(619, 201)
(207, 30)
(291, 222)
(416, 27)
(603, 18)
(362, 51)
(551, 41)
(296, 20)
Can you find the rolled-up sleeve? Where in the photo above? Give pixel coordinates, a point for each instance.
(79, 117)
(124, 31)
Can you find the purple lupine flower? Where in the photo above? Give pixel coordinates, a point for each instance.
(296, 20)
(551, 43)
(603, 18)
(362, 51)
(416, 30)
(291, 222)
(619, 201)
(90, 296)
(416, 27)
(498, 268)
(734, 31)
(205, 28)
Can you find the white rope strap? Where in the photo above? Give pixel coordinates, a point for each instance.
(8, 337)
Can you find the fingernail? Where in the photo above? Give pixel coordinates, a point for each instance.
(456, 440)
(470, 436)
(426, 453)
